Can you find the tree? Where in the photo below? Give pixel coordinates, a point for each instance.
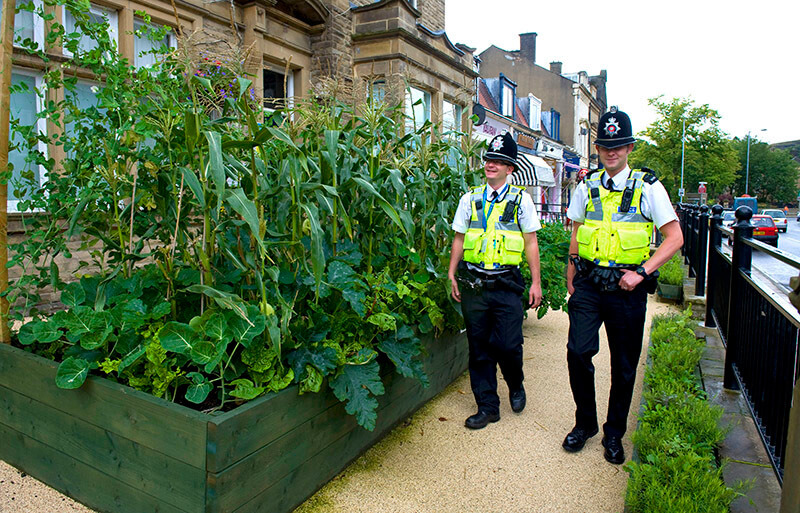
(773, 172)
(708, 156)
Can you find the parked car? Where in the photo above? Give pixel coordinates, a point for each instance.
(764, 230)
(728, 218)
(779, 216)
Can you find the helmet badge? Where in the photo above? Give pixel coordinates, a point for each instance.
(612, 127)
(497, 143)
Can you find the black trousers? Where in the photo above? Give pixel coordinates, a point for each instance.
(623, 314)
(494, 329)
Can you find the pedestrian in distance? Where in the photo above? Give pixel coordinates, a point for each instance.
(495, 224)
(609, 274)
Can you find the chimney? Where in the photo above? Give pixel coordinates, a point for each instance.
(555, 67)
(527, 46)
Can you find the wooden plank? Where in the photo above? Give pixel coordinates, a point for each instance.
(121, 459)
(238, 433)
(160, 425)
(238, 484)
(83, 483)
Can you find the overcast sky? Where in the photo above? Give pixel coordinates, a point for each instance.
(739, 57)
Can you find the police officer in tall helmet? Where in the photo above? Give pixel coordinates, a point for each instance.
(609, 275)
(493, 224)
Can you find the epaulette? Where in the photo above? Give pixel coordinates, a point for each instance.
(649, 175)
(590, 173)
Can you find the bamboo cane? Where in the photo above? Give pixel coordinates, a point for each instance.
(7, 48)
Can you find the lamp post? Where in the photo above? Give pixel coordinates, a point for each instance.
(747, 165)
(683, 148)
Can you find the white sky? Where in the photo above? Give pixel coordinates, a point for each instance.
(739, 57)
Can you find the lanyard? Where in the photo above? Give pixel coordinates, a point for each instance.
(488, 214)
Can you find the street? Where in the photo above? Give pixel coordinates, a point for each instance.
(777, 271)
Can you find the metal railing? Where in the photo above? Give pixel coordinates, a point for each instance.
(694, 224)
(759, 327)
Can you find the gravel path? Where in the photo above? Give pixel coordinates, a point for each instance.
(431, 463)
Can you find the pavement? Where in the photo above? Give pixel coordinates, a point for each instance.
(432, 463)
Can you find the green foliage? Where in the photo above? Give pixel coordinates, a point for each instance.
(683, 483)
(678, 430)
(232, 254)
(553, 242)
(773, 173)
(708, 155)
(671, 273)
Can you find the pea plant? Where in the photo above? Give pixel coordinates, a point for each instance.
(231, 252)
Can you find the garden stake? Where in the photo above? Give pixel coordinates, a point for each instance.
(7, 32)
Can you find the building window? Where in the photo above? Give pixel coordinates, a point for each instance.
(377, 90)
(28, 25)
(507, 100)
(418, 108)
(534, 112)
(451, 117)
(556, 125)
(25, 105)
(96, 15)
(144, 47)
(84, 97)
(274, 89)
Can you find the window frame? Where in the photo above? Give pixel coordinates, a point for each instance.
(138, 23)
(41, 125)
(457, 111)
(38, 24)
(411, 121)
(110, 12)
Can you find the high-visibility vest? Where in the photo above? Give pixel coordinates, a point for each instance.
(497, 240)
(614, 234)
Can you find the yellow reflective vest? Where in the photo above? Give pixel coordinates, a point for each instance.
(612, 235)
(494, 237)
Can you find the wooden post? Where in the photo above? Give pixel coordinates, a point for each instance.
(7, 48)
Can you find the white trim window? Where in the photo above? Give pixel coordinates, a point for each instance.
(417, 108)
(28, 25)
(97, 14)
(535, 110)
(507, 100)
(451, 116)
(26, 104)
(144, 47)
(84, 97)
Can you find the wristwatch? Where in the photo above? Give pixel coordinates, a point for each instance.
(641, 272)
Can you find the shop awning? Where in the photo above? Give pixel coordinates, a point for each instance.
(534, 171)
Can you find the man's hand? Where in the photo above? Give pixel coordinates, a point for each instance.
(630, 279)
(535, 295)
(455, 292)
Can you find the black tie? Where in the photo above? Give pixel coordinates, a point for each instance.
(610, 184)
(494, 196)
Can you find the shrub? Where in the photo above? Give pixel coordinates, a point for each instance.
(671, 273)
(678, 430)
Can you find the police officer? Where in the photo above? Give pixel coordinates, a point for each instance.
(610, 272)
(494, 223)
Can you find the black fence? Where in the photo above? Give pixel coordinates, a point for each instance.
(694, 223)
(758, 325)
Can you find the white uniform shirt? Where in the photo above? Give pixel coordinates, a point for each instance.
(526, 211)
(656, 204)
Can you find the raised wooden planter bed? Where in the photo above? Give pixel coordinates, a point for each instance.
(116, 449)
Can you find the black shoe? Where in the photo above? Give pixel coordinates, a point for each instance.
(481, 419)
(517, 398)
(576, 438)
(614, 453)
